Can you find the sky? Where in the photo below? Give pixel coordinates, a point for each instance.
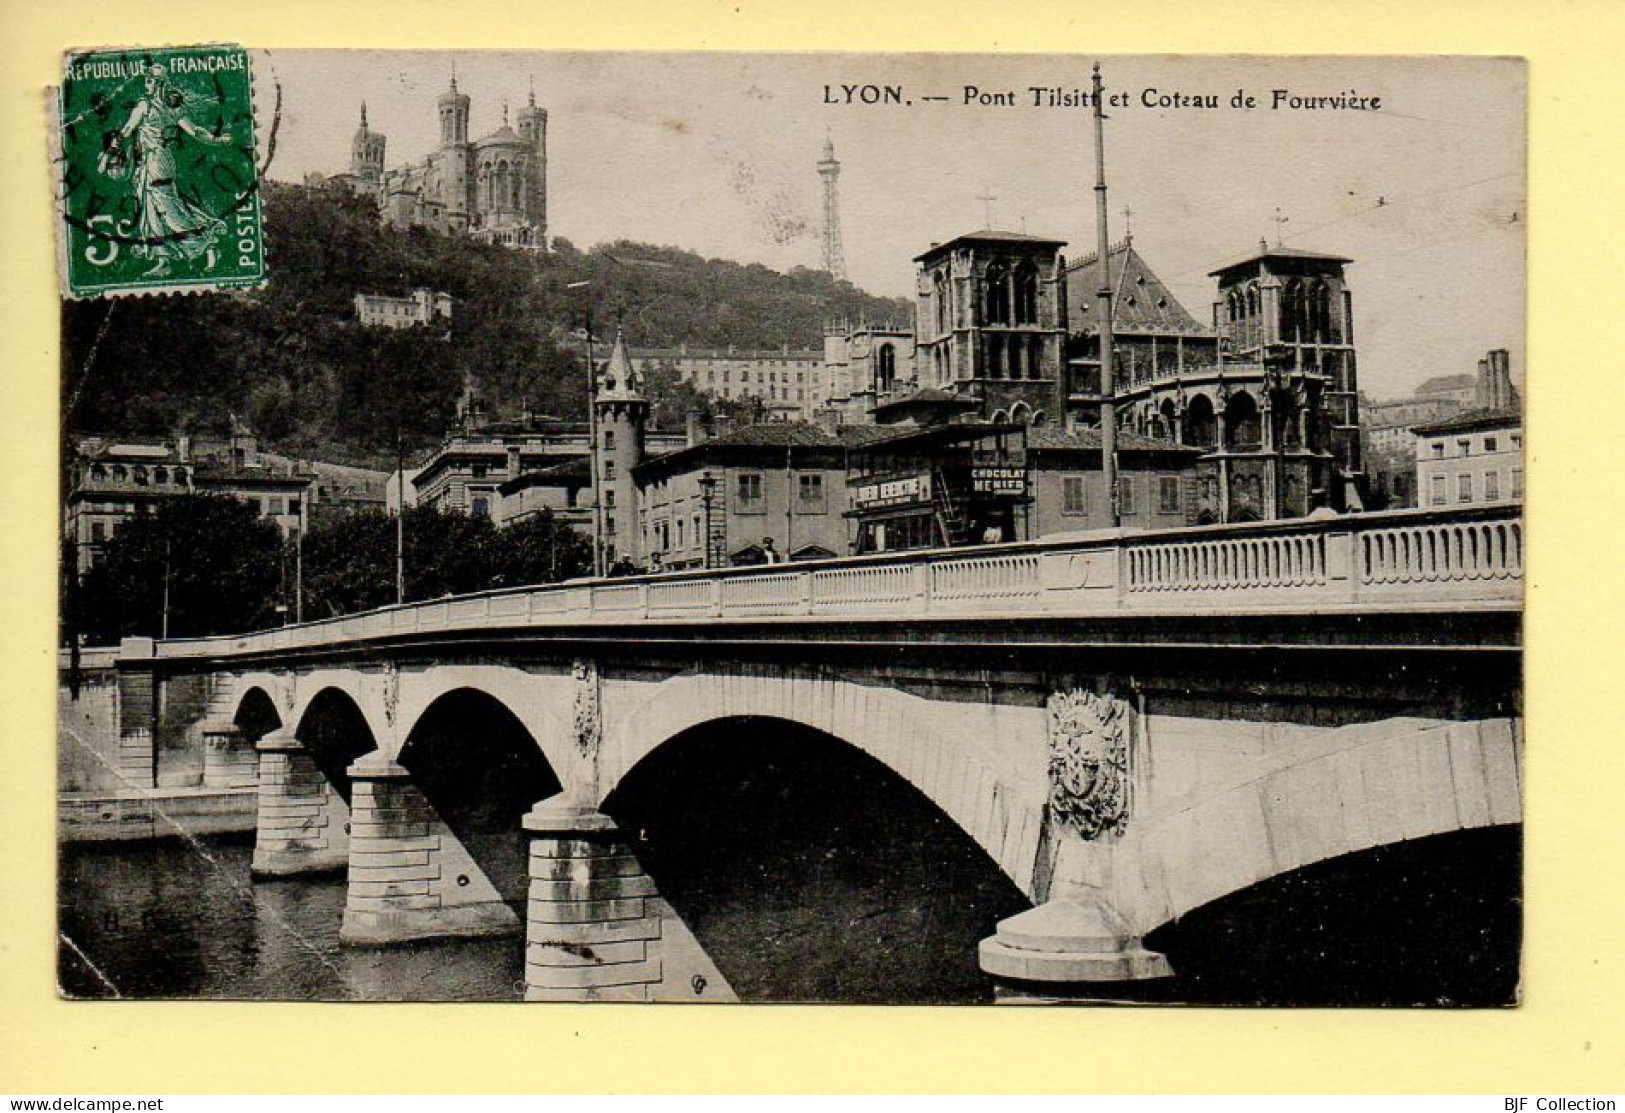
(716, 153)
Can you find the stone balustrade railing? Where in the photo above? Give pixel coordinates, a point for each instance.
(1412, 559)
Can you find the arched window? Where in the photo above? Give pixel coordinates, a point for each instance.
(996, 295)
(1200, 426)
(1322, 309)
(944, 315)
(1027, 294)
(1241, 422)
(1001, 417)
(885, 368)
(995, 357)
(1021, 413)
(1039, 417)
(1294, 323)
(1252, 302)
(1233, 303)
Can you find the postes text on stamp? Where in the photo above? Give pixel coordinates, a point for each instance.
(159, 184)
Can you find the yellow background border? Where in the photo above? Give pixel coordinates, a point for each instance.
(1569, 1036)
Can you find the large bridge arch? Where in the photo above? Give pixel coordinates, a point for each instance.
(999, 806)
(1381, 788)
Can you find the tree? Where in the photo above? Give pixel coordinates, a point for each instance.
(209, 560)
(350, 564)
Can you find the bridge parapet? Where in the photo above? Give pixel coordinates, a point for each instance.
(1459, 560)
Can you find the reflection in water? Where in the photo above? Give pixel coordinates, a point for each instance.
(178, 919)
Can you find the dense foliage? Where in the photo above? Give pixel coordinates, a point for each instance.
(218, 568)
(209, 560)
(292, 360)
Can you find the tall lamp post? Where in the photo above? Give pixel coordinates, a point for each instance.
(708, 492)
(1108, 363)
(592, 445)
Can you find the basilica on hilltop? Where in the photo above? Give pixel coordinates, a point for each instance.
(493, 188)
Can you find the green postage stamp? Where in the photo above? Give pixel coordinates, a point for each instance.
(158, 188)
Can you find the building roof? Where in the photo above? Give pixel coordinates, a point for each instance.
(1472, 419)
(989, 236)
(576, 472)
(1039, 438)
(1266, 253)
(1443, 384)
(1141, 302)
(926, 396)
(787, 436)
(620, 381)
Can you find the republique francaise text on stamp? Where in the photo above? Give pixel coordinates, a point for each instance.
(158, 179)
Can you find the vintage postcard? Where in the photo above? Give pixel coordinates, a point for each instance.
(714, 528)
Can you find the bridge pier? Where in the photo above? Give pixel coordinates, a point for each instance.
(593, 928)
(301, 823)
(1062, 949)
(409, 876)
(228, 761)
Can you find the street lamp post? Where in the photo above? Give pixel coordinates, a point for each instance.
(592, 445)
(708, 491)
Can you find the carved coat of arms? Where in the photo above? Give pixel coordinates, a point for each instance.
(1088, 762)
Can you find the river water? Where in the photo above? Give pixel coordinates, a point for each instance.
(174, 918)
(1435, 922)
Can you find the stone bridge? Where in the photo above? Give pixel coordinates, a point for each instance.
(1127, 726)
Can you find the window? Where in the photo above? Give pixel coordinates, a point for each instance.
(609, 470)
(1464, 488)
(682, 540)
(1492, 486)
(293, 506)
(609, 499)
(812, 493)
(1437, 448)
(1073, 499)
(609, 440)
(98, 532)
(1489, 444)
(1517, 483)
(480, 506)
(1168, 494)
(1438, 496)
(1125, 497)
(750, 492)
(609, 523)
(1517, 442)
(1464, 447)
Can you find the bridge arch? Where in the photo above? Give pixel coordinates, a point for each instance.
(809, 871)
(539, 703)
(257, 714)
(363, 693)
(1000, 808)
(335, 732)
(1389, 787)
(481, 770)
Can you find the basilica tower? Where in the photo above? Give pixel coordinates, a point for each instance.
(533, 130)
(367, 152)
(454, 156)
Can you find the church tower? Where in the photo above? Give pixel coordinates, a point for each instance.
(622, 414)
(533, 130)
(367, 152)
(830, 171)
(454, 156)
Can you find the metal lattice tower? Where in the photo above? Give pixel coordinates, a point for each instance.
(830, 171)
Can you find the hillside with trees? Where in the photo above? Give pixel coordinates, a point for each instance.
(293, 362)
